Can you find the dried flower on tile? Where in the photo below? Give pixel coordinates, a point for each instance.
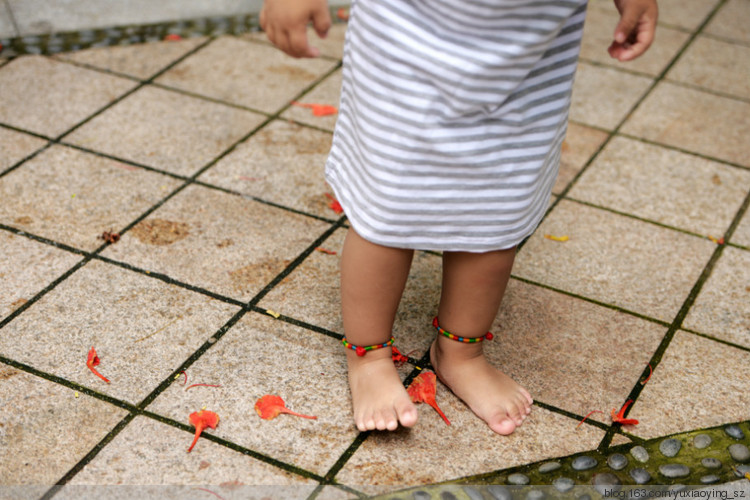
(397, 357)
(620, 416)
(201, 420)
(326, 251)
(587, 416)
(343, 14)
(556, 238)
(318, 109)
(273, 313)
(172, 37)
(110, 236)
(202, 385)
(423, 390)
(270, 406)
(334, 204)
(718, 241)
(92, 361)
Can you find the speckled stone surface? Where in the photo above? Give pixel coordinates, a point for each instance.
(66, 93)
(326, 92)
(225, 243)
(276, 77)
(259, 356)
(705, 369)
(42, 418)
(580, 144)
(148, 452)
(140, 61)
(598, 35)
(729, 22)
(570, 353)
(142, 329)
(615, 259)
(83, 196)
(722, 308)
(27, 267)
(715, 65)
(407, 457)
(166, 130)
(665, 186)
(282, 163)
(602, 96)
(312, 294)
(682, 117)
(334, 493)
(15, 146)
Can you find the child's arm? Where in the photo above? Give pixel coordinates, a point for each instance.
(635, 31)
(285, 24)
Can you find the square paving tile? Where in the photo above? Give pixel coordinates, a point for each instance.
(242, 72)
(579, 145)
(327, 92)
(148, 452)
(602, 96)
(570, 353)
(72, 197)
(141, 60)
(741, 235)
(283, 163)
(330, 46)
(731, 21)
(260, 356)
(60, 95)
(312, 294)
(48, 431)
(684, 392)
(722, 308)
(693, 120)
(166, 130)
(432, 451)
(142, 329)
(222, 242)
(15, 146)
(26, 268)
(615, 259)
(7, 30)
(598, 35)
(664, 185)
(715, 65)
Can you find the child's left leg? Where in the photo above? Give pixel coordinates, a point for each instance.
(473, 286)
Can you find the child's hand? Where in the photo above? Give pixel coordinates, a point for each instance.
(285, 24)
(635, 31)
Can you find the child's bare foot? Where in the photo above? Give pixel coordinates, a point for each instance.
(492, 396)
(378, 395)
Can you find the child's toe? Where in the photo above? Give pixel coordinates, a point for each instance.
(406, 411)
(502, 425)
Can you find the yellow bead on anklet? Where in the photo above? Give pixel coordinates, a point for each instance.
(465, 340)
(362, 350)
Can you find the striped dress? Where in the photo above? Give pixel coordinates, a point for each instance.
(452, 117)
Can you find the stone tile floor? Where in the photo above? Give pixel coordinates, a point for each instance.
(192, 151)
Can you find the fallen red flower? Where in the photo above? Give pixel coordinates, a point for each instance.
(270, 406)
(172, 37)
(397, 357)
(650, 372)
(423, 390)
(334, 204)
(587, 416)
(92, 361)
(620, 416)
(343, 14)
(201, 420)
(318, 109)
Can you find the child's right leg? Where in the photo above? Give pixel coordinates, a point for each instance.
(372, 281)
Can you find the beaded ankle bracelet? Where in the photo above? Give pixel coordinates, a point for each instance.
(465, 340)
(362, 350)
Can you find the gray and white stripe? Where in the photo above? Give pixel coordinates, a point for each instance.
(451, 119)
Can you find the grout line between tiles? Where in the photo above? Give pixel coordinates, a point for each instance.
(726, 39)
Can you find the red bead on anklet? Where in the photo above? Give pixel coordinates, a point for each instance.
(465, 340)
(362, 350)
